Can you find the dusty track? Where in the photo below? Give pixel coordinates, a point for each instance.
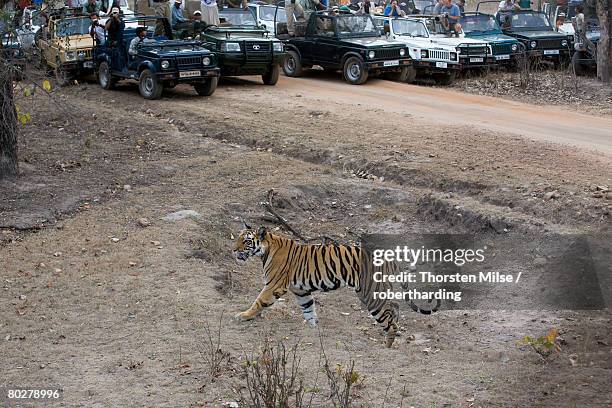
(450, 107)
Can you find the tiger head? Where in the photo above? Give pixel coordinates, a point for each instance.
(249, 243)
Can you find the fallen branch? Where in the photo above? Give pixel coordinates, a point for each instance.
(269, 206)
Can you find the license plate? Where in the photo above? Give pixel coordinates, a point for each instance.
(502, 57)
(441, 65)
(189, 74)
(88, 64)
(391, 63)
(476, 59)
(551, 52)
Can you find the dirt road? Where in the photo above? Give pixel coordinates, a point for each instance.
(437, 105)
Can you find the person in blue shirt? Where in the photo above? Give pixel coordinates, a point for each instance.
(178, 19)
(393, 10)
(453, 13)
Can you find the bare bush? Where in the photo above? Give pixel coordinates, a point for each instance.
(273, 377)
(210, 348)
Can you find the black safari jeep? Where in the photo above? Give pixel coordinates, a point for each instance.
(160, 62)
(534, 30)
(244, 48)
(347, 42)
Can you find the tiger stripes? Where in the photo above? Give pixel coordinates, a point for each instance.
(302, 269)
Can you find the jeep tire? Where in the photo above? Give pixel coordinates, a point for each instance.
(354, 71)
(149, 86)
(271, 75)
(445, 79)
(407, 74)
(292, 66)
(105, 78)
(207, 87)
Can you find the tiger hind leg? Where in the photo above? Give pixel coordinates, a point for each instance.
(387, 315)
(306, 302)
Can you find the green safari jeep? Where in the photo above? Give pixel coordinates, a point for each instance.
(244, 48)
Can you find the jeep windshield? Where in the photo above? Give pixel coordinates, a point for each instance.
(480, 24)
(356, 26)
(267, 13)
(434, 25)
(409, 28)
(72, 26)
(530, 22)
(237, 19)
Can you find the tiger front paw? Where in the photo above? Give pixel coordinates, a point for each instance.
(243, 316)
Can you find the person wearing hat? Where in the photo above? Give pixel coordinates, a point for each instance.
(178, 19)
(210, 12)
(114, 27)
(196, 16)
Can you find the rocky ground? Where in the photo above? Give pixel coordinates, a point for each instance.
(117, 274)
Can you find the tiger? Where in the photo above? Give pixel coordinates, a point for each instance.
(289, 265)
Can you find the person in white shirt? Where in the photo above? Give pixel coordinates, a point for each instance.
(96, 30)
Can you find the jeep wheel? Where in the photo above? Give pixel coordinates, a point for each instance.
(355, 71)
(105, 77)
(445, 79)
(207, 87)
(149, 86)
(61, 76)
(271, 76)
(292, 66)
(407, 74)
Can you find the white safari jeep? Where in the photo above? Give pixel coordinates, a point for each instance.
(472, 53)
(429, 59)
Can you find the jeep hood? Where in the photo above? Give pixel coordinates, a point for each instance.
(187, 52)
(76, 43)
(492, 38)
(536, 35)
(242, 33)
(425, 43)
(373, 42)
(455, 41)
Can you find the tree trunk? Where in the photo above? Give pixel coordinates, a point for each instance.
(8, 124)
(604, 52)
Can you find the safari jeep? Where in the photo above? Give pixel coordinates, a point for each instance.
(161, 62)
(472, 53)
(66, 46)
(347, 42)
(440, 62)
(534, 30)
(505, 50)
(243, 47)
